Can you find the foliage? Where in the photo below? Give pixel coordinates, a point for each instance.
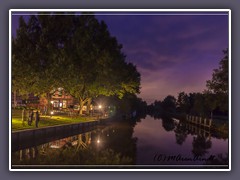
(219, 82)
(183, 102)
(76, 53)
(169, 104)
(96, 65)
(218, 85)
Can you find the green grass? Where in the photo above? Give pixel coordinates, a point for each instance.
(45, 121)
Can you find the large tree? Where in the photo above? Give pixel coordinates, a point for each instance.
(74, 52)
(169, 104)
(183, 103)
(219, 84)
(37, 50)
(96, 64)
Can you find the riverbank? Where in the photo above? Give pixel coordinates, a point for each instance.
(22, 139)
(58, 118)
(47, 121)
(220, 125)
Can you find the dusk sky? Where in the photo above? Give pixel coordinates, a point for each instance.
(173, 52)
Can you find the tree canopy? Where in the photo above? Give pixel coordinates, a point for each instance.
(219, 82)
(218, 86)
(76, 53)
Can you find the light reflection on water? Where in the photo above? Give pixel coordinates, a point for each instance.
(148, 142)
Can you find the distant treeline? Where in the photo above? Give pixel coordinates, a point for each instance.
(212, 101)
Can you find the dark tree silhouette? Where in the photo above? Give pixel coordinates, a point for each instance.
(201, 145)
(219, 83)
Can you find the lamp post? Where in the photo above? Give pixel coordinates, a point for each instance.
(100, 109)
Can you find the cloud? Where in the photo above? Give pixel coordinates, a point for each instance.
(172, 53)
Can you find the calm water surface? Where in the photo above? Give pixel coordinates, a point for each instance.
(155, 142)
(176, 143)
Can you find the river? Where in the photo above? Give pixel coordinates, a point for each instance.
(145, 143)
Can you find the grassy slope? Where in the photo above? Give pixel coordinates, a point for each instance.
(45, 121)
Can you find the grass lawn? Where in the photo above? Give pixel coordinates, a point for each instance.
(45, 121)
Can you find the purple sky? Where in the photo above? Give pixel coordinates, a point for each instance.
(173, 53)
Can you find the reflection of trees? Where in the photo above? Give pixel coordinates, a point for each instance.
(119, 139)
(155, 115)
(180, 133)
(71, 156)
(168, 123)
(115, 146)
(200, 145)
(220, 159)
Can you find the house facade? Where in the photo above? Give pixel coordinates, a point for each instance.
(60, 99)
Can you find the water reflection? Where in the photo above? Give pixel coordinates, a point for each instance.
(181, 133)
(200, 145)
(168, 141)
(142, 141)
(104, 145)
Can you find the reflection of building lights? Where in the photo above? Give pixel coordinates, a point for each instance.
(52, 112)
(98, 141)
(100, 106)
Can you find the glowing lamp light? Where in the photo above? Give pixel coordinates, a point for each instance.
(98, 141)
(60, 104)
(100, 106)
(51, 102)
(51, 112)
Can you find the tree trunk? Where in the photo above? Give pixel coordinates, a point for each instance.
(15, 99)
(81, 103)
(89, 105)
(49, 105)
(24, 115)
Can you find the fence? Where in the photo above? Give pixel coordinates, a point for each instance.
(205, 122)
